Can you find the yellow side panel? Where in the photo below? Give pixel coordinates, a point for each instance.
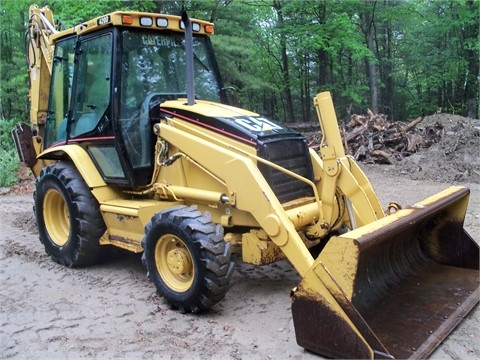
(126, 219)
(123, 231)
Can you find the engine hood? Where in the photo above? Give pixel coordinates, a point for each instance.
(273, 142)
(231, 121)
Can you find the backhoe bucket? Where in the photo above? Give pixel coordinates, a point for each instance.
(394, 288)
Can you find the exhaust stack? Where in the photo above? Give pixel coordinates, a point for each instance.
(189, 59)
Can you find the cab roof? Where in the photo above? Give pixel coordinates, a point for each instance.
(152, 21)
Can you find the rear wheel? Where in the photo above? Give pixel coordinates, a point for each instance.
(68, 216)
(187, 258)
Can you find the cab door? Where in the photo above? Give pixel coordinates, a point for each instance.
(90, 120)
(60, 93)
(91, 110)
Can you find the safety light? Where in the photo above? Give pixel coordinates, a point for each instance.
(195, 26)
(146, 21)
(127, 19)
(162, 22)
(209, 29)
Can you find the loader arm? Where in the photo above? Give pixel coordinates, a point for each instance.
(341, 175)
(339, 180)
(247, 190)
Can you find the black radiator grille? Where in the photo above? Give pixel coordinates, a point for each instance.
(289, 152)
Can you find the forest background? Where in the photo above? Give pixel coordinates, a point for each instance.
(402, 58)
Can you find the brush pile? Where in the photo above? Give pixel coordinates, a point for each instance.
(372, 138)
(441, 147)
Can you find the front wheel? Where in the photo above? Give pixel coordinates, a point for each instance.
(68, 217)
(187, 258)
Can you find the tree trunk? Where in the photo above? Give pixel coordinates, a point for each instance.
(322, 55)
(1, 111)
(306, 84)
(471, 91)
(277, 5)
(386, 72)
(372, 69)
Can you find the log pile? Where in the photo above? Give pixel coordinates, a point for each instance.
(372, 138)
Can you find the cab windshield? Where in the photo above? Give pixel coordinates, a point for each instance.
(154, 63)
(152, 70)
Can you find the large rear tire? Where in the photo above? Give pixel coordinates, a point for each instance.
(68, 216)
(187, 258)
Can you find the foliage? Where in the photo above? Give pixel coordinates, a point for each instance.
(404, 57)
(8, 155)
(278, 53)
(8, 168)
(13, 77)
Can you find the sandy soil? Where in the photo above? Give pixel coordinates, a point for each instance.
(111, 311)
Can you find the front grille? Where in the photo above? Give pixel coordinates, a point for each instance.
(290, 152)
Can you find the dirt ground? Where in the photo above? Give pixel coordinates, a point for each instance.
(111, 311)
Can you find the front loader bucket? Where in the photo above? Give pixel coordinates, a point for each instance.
(394, 288)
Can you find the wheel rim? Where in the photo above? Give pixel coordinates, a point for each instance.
(56, 217)
(174, 263)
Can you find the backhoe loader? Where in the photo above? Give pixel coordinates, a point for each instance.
(133, 144)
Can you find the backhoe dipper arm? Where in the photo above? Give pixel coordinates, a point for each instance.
(40, 50)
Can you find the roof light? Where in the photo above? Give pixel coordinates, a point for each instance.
(182, 25)
(103, 20)
(195, 26)
(162, 22)
(146, 21)
(209, 29)
(127, 19)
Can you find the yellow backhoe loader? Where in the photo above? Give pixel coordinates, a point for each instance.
(132, 144)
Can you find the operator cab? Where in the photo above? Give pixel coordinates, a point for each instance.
(105, 84)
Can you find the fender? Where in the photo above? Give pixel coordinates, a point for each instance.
(82, 162)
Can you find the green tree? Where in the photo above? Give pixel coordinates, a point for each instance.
(401, 57)
(13, 81)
